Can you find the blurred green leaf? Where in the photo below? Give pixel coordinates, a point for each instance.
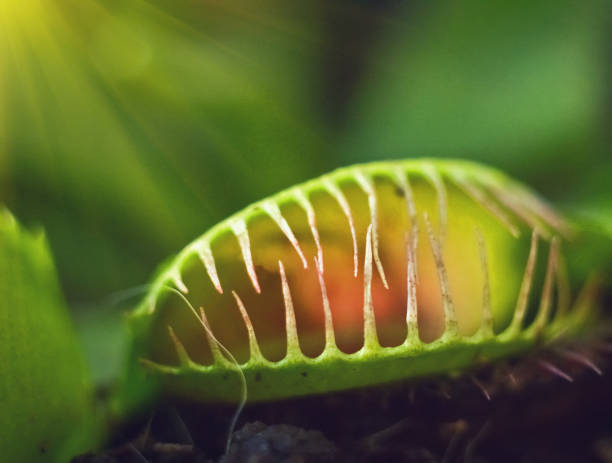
(516, 84)
(130, 130)
(45, 395)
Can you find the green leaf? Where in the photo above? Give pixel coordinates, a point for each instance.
(46, 401)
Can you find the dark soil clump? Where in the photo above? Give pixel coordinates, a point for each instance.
(495, 416)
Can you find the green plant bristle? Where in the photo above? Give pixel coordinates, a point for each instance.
(448, 265)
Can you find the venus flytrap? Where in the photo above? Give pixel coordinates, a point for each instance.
(372, 274)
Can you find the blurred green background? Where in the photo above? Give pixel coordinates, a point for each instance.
(128, 127)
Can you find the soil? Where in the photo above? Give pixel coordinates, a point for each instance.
(527, 412)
